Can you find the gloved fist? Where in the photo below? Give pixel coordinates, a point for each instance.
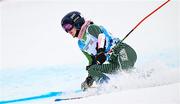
(87, 83)
(101, 57)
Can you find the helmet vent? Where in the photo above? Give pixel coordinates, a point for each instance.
(76, 19)
(73, 15)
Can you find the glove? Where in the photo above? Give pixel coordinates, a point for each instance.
(101, 57)
(87, 83)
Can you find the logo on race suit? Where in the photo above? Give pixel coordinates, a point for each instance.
(123, 55)
(89, 44)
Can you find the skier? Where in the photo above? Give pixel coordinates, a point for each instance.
(105, 53)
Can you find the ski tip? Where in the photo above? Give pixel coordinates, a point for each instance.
(57, 100)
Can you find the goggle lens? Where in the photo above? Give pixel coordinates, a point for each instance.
(67, 27)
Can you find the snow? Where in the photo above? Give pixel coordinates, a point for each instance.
(148, 82)
(167, 94)
(36, 54)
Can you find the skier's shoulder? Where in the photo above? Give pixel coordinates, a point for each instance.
(94, 29)
(93, 25)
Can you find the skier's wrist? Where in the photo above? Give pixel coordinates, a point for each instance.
(100, 50)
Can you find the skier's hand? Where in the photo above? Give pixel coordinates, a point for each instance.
(87, 83)
(100, 57)
(84, 86)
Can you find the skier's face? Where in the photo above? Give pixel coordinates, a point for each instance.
(72, 31)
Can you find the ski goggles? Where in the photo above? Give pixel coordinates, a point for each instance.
(67, 27)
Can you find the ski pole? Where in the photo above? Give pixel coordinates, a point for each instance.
(143, 20)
